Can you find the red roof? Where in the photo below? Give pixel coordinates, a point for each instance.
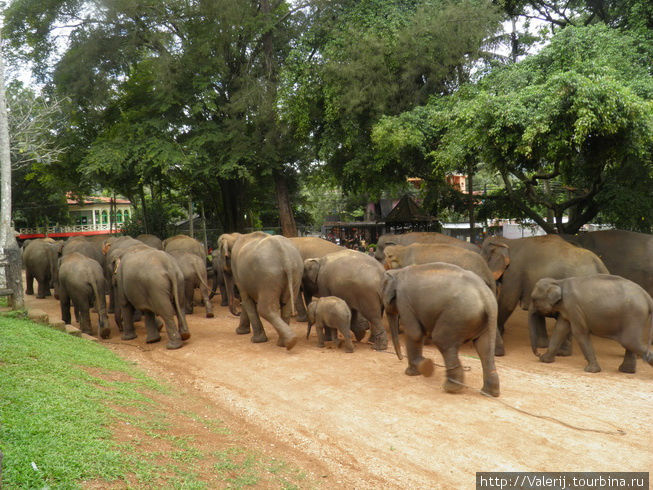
(96, 200)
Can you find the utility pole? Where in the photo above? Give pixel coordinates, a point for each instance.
(10, 258)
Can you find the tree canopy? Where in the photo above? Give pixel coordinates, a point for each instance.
(569, 130)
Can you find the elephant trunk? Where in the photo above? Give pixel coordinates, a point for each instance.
(393, 320)
(535, 323)
(229, 280)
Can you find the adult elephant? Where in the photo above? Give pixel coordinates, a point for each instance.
(82, 245)
(150, 280)
(267, 269)
(398, 256)
(151, 240)
(451, 306)
(41, 258)
(518, 264)
(419, 237)
(309, 248)
(356, 278)
(113, 248)
(217, 274)
(195, 276)
(185, 243)
(81, 281)
(625, 253)
(226, 243)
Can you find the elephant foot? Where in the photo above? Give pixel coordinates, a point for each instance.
(564, 350)
(359, 334)
(346, 345)
(627, 367)
(491, 385)
(151, 340)
(209, 314)
(499, 351)
(243, 330)
(425, 367)
(452, 386)
(592, 368)
(412, 371)
(128, 336)
(185, 335)
(224, 302)
(320, 345)
(174, 344)
(380, 342)
(257, 339)
(291, 342)
(29, 293)
(40, 296)
(105, 333)
(548, 358)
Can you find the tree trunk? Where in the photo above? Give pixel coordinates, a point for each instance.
(204, 237)
(231, 193)
(286, 217)
(145, 227)
(9, 251)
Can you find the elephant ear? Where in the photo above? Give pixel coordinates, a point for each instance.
(553, 293)
(311, 270)
(389, 290)
(497, 255)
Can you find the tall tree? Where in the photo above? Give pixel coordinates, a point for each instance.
(9, 252)
(569, 130)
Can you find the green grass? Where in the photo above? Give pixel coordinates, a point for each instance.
(61, 397)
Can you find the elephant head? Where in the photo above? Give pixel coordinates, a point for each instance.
(392, 257)
(390, 305)
(497, 256)
(545, 300)
(309, 278)
(384, 241)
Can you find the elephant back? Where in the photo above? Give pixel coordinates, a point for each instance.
(185, 243)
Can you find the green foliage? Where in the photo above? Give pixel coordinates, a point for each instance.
(576, 118)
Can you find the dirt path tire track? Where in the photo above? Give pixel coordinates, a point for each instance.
(356, 421)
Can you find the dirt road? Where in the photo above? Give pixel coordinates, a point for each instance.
(356, 421)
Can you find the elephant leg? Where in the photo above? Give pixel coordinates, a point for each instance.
(127, 311)
(64, 302)
(112, 299)
(583, 339)
(208, 306)
(151, 328)
(346, 333)
(560, 333)
(85, 320)
(378, 335)
(77, 315)
(319, 328)
(301, 308)
(188, 295)
(484, 348)
(455, 378)
(270, 312)
(174, 337)
(243, 323)
(29, 279)
(499, 349)
(414, 337)
(356, 327)
(42, 287)
(251, 310)
(629, 365)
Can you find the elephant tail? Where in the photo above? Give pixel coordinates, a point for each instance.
(200, 274)
(293, 311)
(181, 315)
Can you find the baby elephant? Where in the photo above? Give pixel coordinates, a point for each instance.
(332, 313)
(81, 280)
(601, 304)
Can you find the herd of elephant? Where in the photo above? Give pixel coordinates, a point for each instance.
(442, 290)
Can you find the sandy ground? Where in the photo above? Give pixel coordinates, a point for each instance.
(357, 421)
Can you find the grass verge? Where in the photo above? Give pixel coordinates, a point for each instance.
(73, 414)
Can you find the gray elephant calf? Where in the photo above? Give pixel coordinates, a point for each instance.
(601, 304)
(452, 306)
(81, 281)
(331, 313)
